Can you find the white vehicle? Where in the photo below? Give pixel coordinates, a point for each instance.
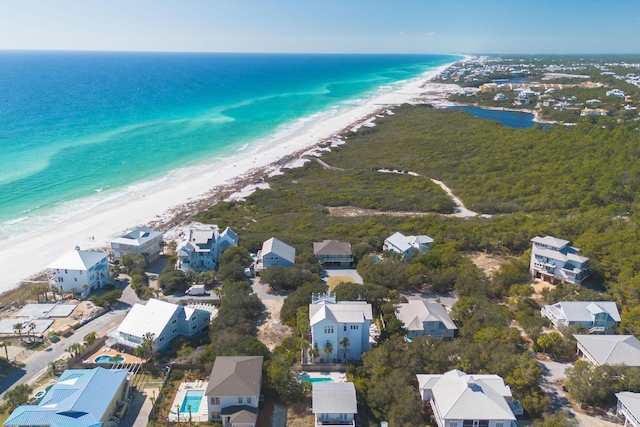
(195, 290)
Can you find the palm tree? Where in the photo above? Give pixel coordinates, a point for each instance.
(328, 348)
(304, 344)
(75, 349)
(84, 289)
(32, 327)
(6, 351)
(344, 342)
(74, 291)
(54, 291)
(18, 327)
(116, 358)
(314, 353)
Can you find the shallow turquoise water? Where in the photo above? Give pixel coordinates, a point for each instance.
(192, 398)
(80, 128)
(107, 359)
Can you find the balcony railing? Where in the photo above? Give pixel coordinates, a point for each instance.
(329, 423)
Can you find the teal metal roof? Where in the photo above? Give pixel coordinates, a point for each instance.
(79, 398)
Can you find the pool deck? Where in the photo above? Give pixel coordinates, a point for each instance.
(202, 415)
(107, 351)
(336, 377)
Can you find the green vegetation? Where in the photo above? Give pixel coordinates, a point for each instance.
(110, 297)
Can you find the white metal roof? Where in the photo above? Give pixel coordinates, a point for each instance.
(79, 260)
(279, 248)
(137, 237)
(581, 311)
(550, 241)
(152, 317)
(611, 349)
(342, 312)
(334, 398)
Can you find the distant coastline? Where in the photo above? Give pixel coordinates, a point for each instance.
(167, 205)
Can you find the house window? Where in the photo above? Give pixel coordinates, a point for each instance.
(328, 329)
(173, 322)
(215, 401)
(75, 279)
(453, 424)
(194, 327)
(343, 417)
(240, 399)
(215, 416)
(249, 399)
(160, 339)
(174, 330)
(345, 328)
(354, 327)
(499, 424)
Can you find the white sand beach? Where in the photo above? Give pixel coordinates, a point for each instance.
(22, 259)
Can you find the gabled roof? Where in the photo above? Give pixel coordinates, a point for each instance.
(241, 414)
(415, 312)
(279, 248)
(342, 312)
(79, 398)
(582, 311)
(550, 241)
(331, 247)
(461, 396)
(152, 317)
(631, 401)
(137, 237)
(611, 349)
(334, 398)
(404, 243)
(235, 376)
(78, 260)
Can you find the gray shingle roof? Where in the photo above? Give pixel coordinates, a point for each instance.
(413, 313)
(235, 376)
(331, 247)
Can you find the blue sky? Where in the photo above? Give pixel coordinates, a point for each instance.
(327, 26)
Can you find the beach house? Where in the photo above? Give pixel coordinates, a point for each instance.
(141, 241)
(276, 252)
(407, 246)
(334, 404)
(339, 330)
(233, 391)
(161, 321)
(554, 260)
(77, 268)
(629, 408)
(598, 317)
(460, 400)
(202, 245)
(333, 253)
(609, 349)
(424, 318)
(80, 398)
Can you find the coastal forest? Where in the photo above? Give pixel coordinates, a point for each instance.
(578, 183)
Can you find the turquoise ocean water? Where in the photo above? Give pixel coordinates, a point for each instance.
(80, 128)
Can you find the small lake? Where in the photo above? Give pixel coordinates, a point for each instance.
(512, 119)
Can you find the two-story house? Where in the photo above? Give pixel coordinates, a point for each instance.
(461, 400)
(276, 252)
(609, 349)
(141, 241)
(553, 260)
(339, 330)
(233, 391)
(407, 246)
(333, 253)
(161, 320)
(77, 268)
(424, 318)
(334, 404)
(600, 317)
(202, 245)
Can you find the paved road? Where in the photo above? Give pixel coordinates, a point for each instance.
(40, 360)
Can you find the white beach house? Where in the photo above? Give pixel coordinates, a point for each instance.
(554, 260)
(458, 400)
(77, 268)
(339, 330)
(599, 317)
(202, 245)
(163, 320)
(609, 349)
(141, 241)
(407, 246)
(334, 404)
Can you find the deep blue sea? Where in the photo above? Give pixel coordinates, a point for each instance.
(80, 128)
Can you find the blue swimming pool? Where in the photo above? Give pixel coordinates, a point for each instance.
(192, 398)
(316, 380)
(107, 359)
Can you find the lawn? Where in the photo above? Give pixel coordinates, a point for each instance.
(334, 281)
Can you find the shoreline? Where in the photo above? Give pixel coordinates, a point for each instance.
(168, 206)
